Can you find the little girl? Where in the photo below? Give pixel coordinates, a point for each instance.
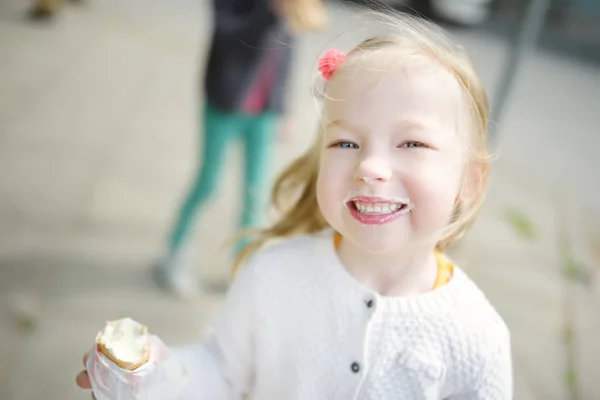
(356, 299)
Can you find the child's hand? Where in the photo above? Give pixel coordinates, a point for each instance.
(162, 377)
(82, 379)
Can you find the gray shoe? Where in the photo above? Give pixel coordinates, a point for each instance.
(176, 279)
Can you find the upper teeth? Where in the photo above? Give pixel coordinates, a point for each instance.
(377, 208)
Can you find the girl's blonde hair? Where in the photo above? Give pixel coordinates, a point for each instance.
(294, 193)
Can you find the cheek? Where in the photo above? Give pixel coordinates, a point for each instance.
(327, 189)
(332, 188)
(334, 171)
(434, 190)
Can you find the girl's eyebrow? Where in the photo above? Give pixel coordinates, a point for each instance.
(415, 123)
(403, 123)
(340, 123)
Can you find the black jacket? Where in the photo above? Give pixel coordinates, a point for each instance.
(244, 32)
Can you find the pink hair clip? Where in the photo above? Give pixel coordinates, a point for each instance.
(330, 62)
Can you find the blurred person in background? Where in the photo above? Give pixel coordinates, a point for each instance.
(245, 85)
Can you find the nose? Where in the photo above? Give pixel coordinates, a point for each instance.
(373, 169)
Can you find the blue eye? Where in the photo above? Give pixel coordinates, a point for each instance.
(347, 145)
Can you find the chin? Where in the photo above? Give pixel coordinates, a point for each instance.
(379, 244)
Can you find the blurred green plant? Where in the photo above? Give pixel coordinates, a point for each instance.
(520, 223)
(572, 269)
(571, 380)
(26, 311)
(573, 273)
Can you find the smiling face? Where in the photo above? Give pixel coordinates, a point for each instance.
(392, 156)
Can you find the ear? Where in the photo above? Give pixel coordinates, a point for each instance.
(475, 183)
(480, 177)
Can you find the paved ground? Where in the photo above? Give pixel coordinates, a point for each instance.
(97, 142)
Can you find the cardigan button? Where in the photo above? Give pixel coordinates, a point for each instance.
(355, 367)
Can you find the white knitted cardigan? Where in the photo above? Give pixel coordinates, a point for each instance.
(297, 325)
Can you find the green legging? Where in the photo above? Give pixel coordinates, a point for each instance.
(220, 130)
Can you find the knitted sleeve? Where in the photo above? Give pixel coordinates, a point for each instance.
(495, 379)
(221, 366)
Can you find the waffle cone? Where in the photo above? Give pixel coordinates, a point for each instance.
(130, 366)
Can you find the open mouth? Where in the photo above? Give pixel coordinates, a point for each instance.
(377, 210)
(381, 208)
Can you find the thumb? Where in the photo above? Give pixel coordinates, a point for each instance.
(83, 380)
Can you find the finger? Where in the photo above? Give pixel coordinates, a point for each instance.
(85, 357)
(83, 380)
